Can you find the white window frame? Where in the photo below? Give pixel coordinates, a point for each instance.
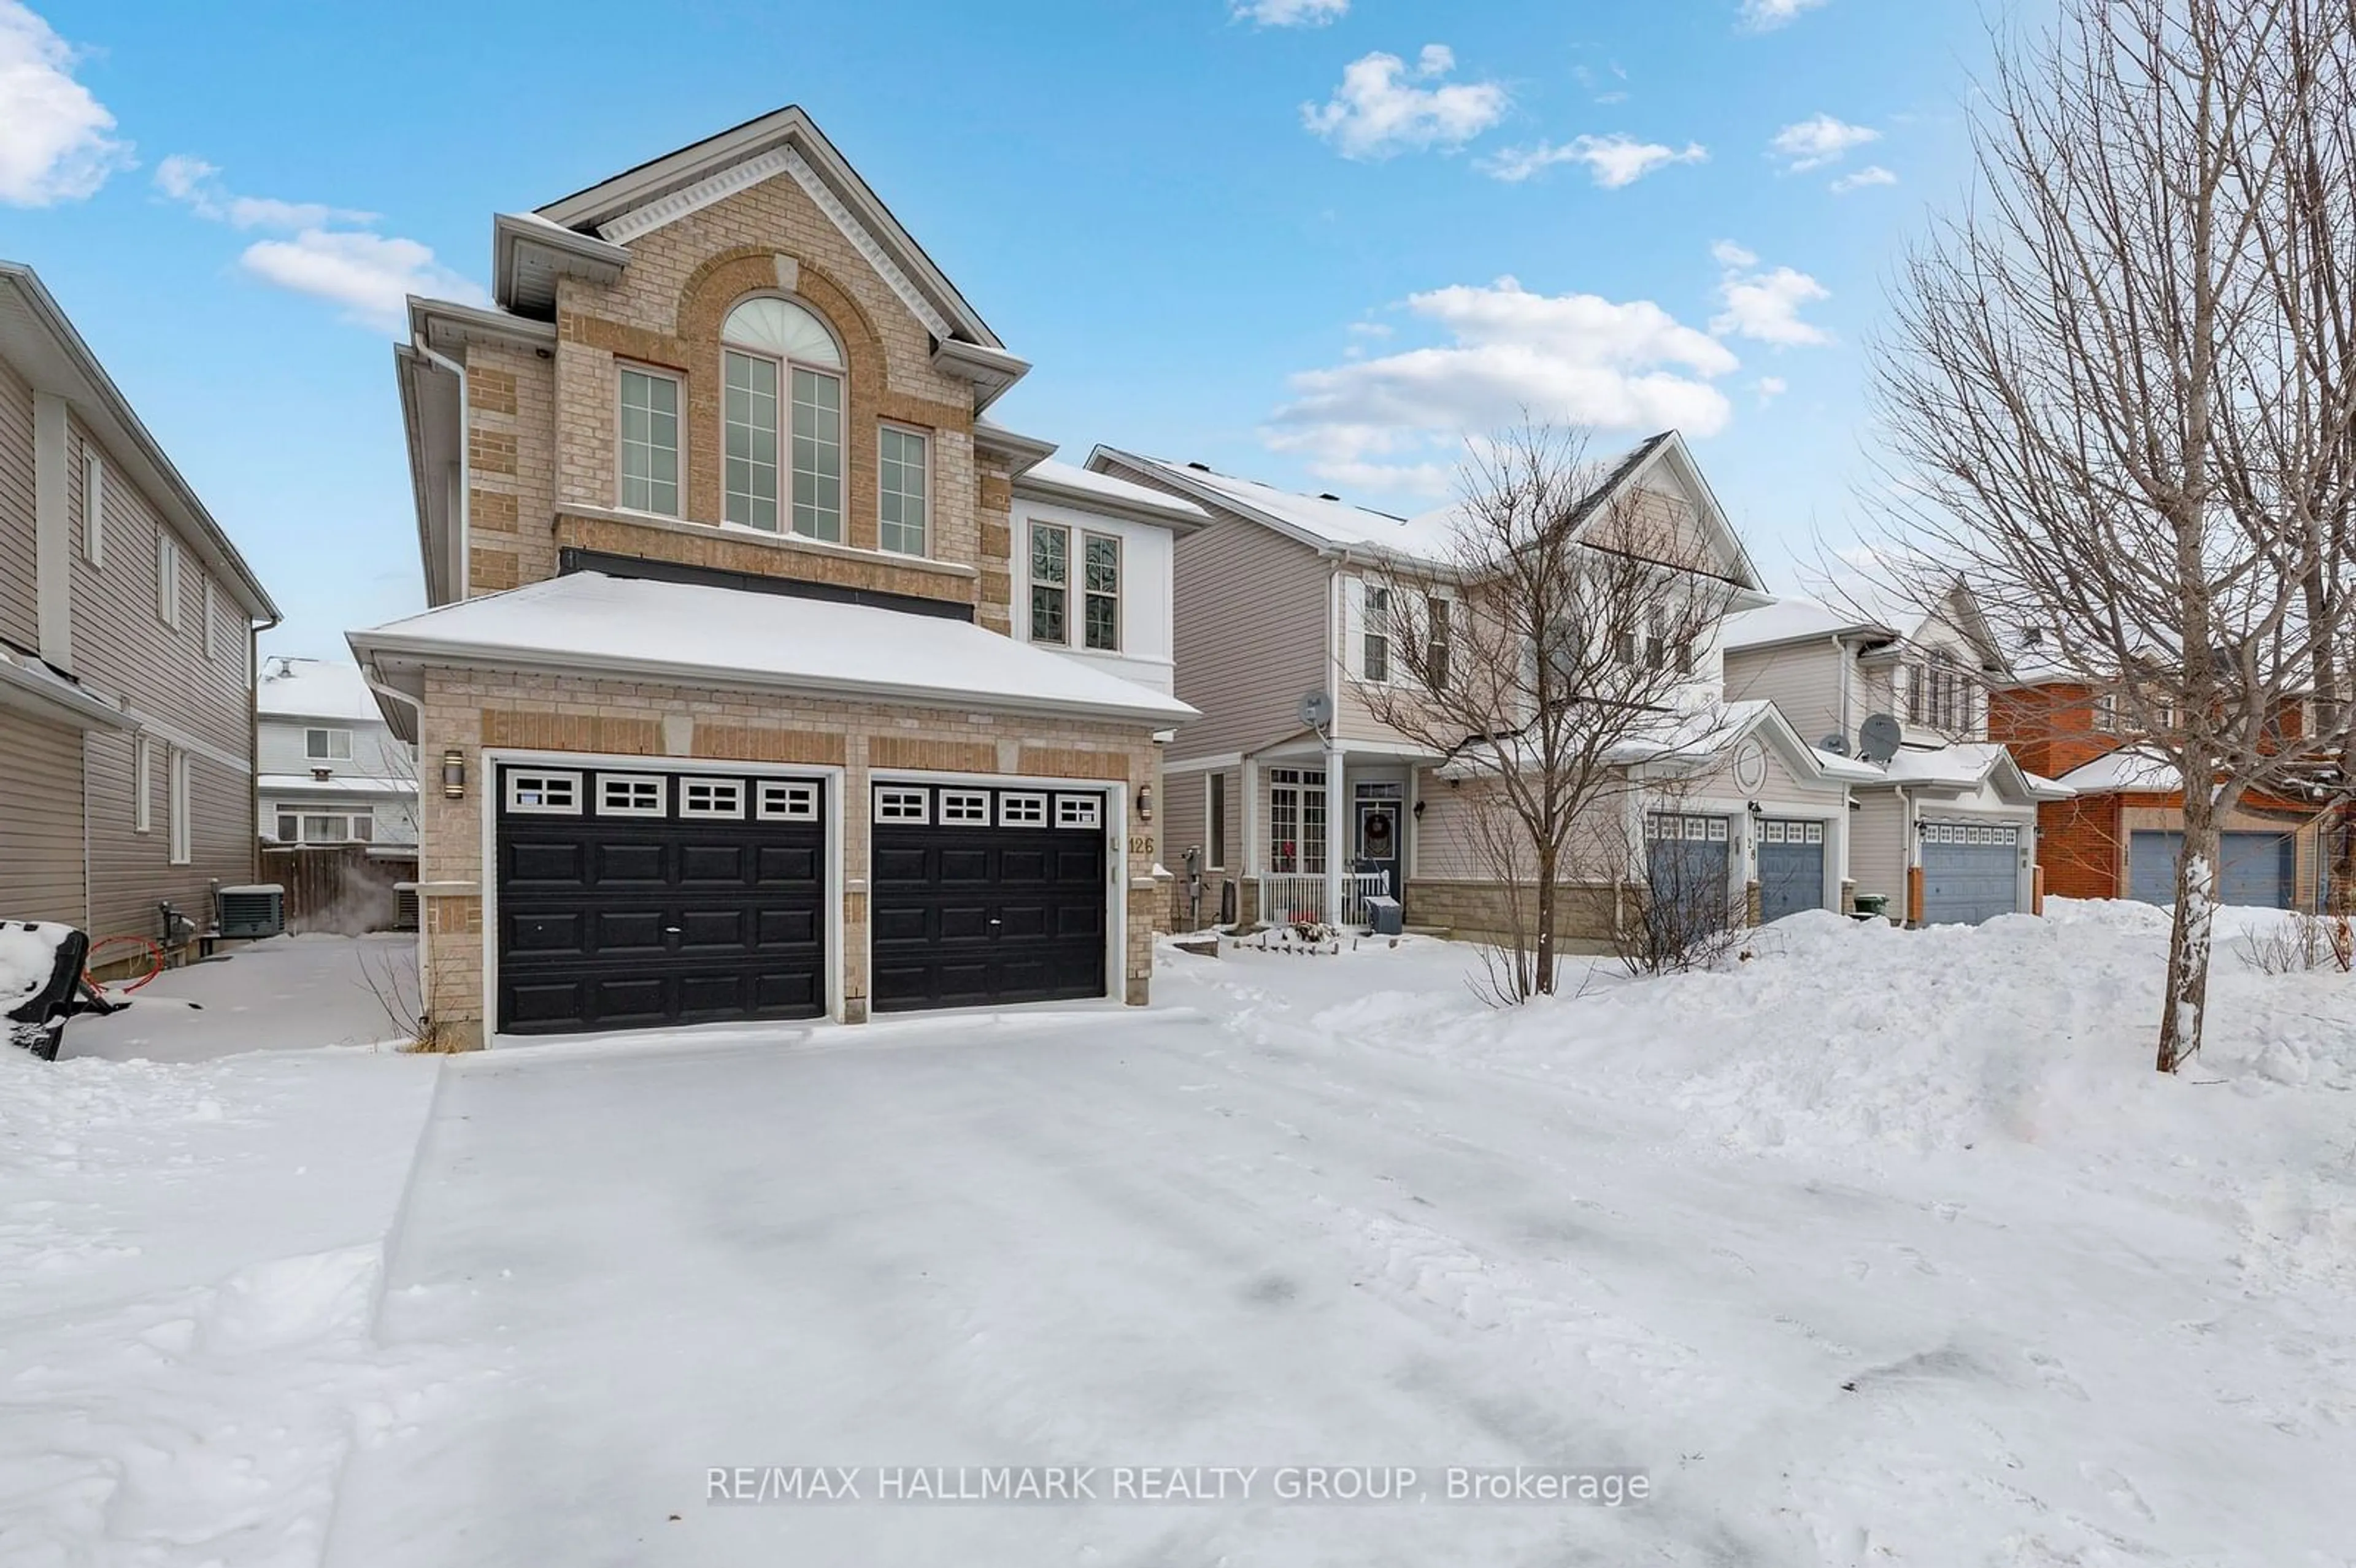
(631, 790)
(330, 754)
(904, 804)
(212, 623)
(723, 800)
(786, 368)
(93, 506)
(924, 523)
(965, 807)
(622, 371)
(1089, 595)
(1023, 808)
(177, 805)
(143, 784)
(542, 783)
(786, 800)
(168, 579)
(1061, 586)
(1076, 811)
(1373, 633)
(283, 816)
(1296, 788)
(1438, 638)
(329, 833)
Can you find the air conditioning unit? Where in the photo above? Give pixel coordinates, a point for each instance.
(259, 909)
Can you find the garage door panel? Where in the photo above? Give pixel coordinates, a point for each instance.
(1971, 873)
(1790, 867)
(620, 931)
(2256, 871)
(993, 904)
(649, 917)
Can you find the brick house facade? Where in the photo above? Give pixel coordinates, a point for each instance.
(522, 452)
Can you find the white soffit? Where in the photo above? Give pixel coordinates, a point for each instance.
(753, 171)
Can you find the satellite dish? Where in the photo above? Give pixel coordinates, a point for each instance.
(1316, 709)
(1879, 739)
(1836, 743)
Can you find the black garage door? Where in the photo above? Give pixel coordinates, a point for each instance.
(629, 899)
(987, 895)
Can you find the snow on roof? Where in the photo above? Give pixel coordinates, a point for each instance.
(1962, 764)
(315, 688)
(2128, 768)
(339, 783)
(1068, 476)
(1792, 620)
(1324, 518)
(590, 622)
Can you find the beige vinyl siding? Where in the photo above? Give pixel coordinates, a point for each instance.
(1450, 845)
(1803, 680)
(1877, 846)
(1179, 804)
(19, 611)
(130, 873)
(40, 802)
(1252, 612)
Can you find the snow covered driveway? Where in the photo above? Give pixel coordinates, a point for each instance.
(1849, 1294)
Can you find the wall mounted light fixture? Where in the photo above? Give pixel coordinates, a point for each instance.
(453, 774)
(1145, 803)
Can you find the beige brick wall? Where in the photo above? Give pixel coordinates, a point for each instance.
(468, 711)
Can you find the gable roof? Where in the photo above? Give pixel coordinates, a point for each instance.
(313, 689)
(1088, 491)
(591, 228)
(1332, 525)
(40, 342)
(1968, 764)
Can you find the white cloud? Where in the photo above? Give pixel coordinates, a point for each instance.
(1397, 422)
(371, 275)
(1379, 110)
(54, 140)
(1766, 15)
(1288, 12)
(1371, 328)
(1764, 306)
(1613, 161)
(197, 182)
(1872, 174)
(1771, 388)
(1819, 139)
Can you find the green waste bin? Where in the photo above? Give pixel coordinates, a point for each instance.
(1873, 906)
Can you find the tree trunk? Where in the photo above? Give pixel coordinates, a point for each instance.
(2189, 934)
(1542, 978)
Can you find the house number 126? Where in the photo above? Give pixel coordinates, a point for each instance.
(1142, 844)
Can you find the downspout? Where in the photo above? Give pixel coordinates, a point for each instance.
(424, 947)
(1848, 705)
(463, 567)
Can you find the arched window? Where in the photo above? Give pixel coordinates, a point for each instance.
(782, 376)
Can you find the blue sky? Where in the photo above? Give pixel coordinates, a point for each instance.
(1271, 235)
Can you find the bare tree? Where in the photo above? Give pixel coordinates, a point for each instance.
(1545, 644)
(2118, 391)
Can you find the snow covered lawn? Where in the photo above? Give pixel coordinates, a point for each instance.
(190, 1249)
(1886, 1248)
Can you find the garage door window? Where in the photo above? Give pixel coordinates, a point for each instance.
(787, 803)
(904, 805)
(711, 797)
(629, 794)
(557, 793)
(1079, 811)
(1022, 811)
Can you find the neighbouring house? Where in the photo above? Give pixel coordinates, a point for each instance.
(127, 621)
(2120, 832)
(332, 770)
(1293, 819)
(720, 701)
(1945, 826)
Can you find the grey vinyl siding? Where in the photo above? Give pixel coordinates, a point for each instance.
(1252, 612)
(19, 609)
(130, 872)
(1803, 680)
(40, 805)
(1877, 846)
(1182, 820)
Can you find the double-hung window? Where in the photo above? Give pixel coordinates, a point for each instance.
(1437, 640)
(1103, 628)
(328, 746)
(905, 493)
(1051, 583)
(781, 395)
(649, 442)
(1051, 587)
(1377, 652)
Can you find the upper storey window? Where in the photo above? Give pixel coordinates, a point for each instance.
(782, 409)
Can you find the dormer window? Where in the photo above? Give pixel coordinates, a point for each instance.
(781, 373)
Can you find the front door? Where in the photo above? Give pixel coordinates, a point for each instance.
(1379, 839)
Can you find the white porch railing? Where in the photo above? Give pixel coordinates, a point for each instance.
(1288, 897)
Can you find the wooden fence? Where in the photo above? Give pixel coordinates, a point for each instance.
(342, 887)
